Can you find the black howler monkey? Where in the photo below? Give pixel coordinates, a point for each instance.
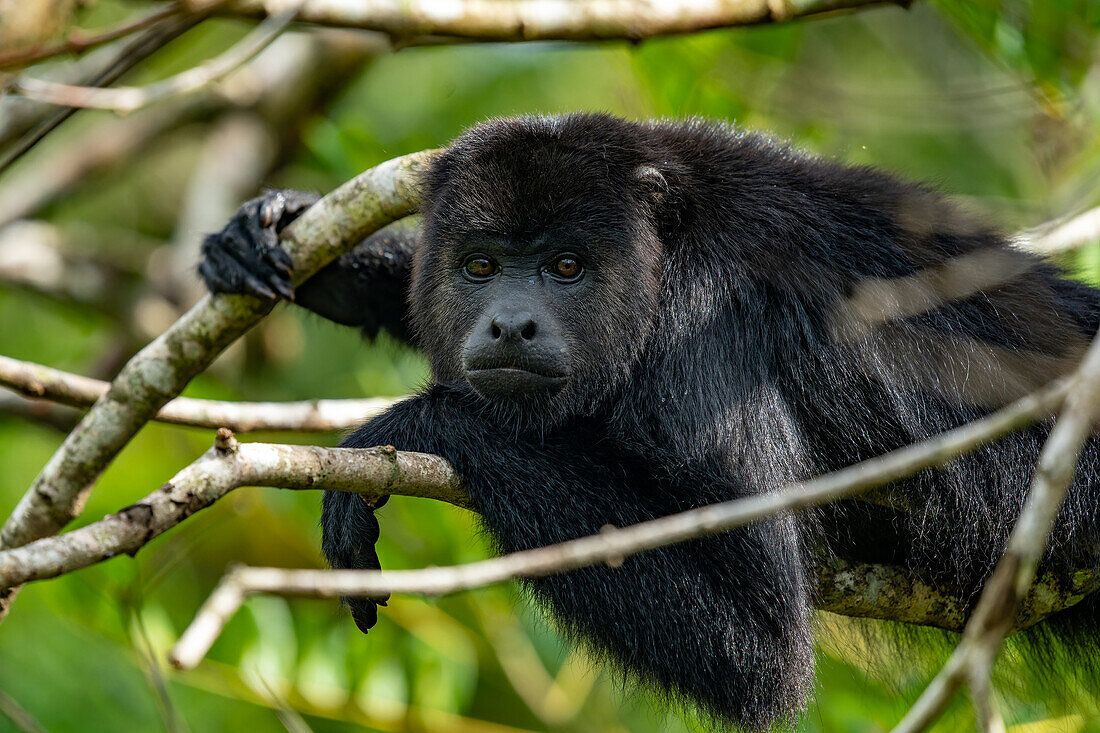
(626, 320)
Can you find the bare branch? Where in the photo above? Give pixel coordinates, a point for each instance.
(33, 188)
(18, 715)
(160, 371)
(128, 99)
(288, 77)
(531, 20)
(77, 41)
(996, 612)
(51, 414)
(613, 545)
(1062, 235)
(37, 381)
(133, 53)
(223, 468)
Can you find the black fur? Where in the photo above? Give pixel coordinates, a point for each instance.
(754, 316)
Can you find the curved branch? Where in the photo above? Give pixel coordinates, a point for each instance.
(223, 468)
(853, 589)
(616, 543)
(1063, 234)
(540, 20)
(297, 467)
(41, 382)
(160, 371)
(78, 41)
(129, 99)
(144, 45)
(1007, 590)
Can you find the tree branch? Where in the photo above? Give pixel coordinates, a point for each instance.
(227, 466)
(160, 371)
(848, 588)
(33, 188)
(616, 543)
(146, 44)
(1007, 589)
(77, 41)
(1063, 234)
(128, 99)
(540, 20)
(40, 382)
(50, 414)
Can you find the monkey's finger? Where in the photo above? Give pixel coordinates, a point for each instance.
(272, 208)
(256, 287)
(251, 271)
(363, 612)
(282, 286)
(295, 202)
(280, 260)
(211, 274)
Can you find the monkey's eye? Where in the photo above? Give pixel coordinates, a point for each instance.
(478, 267)
(566, 267)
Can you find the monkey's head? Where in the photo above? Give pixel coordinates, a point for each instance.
(537, 278)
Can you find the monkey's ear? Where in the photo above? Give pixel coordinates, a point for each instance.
(652, 182)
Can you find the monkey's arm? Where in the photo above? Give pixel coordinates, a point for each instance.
(364, 288)
(723, 621)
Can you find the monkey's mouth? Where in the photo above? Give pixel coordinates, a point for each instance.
(513, 381)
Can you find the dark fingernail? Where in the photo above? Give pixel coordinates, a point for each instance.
(261, 290)
(285, 289)
(272, 210)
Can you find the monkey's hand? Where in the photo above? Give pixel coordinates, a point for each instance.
(245, 256)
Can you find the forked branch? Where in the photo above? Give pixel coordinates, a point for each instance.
(162, 369)
(41, 382)
(616, 543)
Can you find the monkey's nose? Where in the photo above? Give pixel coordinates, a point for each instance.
(513, 326)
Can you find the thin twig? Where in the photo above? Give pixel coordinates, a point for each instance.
(78, 41)
(162, 369)
(612, 545)
(32, 188)
(128, 99)
(993, 617)
(19, 716)
(1062, 235)
(40, 382)
(225, 467)
(144, 46)
(50, 414)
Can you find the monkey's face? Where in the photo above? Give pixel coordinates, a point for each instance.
(519, 346)
(536, 281)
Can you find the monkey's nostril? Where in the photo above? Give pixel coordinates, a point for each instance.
(495, 330)
(528, 331)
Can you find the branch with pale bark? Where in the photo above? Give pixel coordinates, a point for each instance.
(1063, 234)
(34, 125)
(78, 40)
(930, 605)
(40, 382)
(854, 589)
(129, 99)
(542, 20)
(993, 618)
(227, 466)
(162, 369)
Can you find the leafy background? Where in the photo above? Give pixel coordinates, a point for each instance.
(996, 102)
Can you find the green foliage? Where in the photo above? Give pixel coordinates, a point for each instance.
(990, 99)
